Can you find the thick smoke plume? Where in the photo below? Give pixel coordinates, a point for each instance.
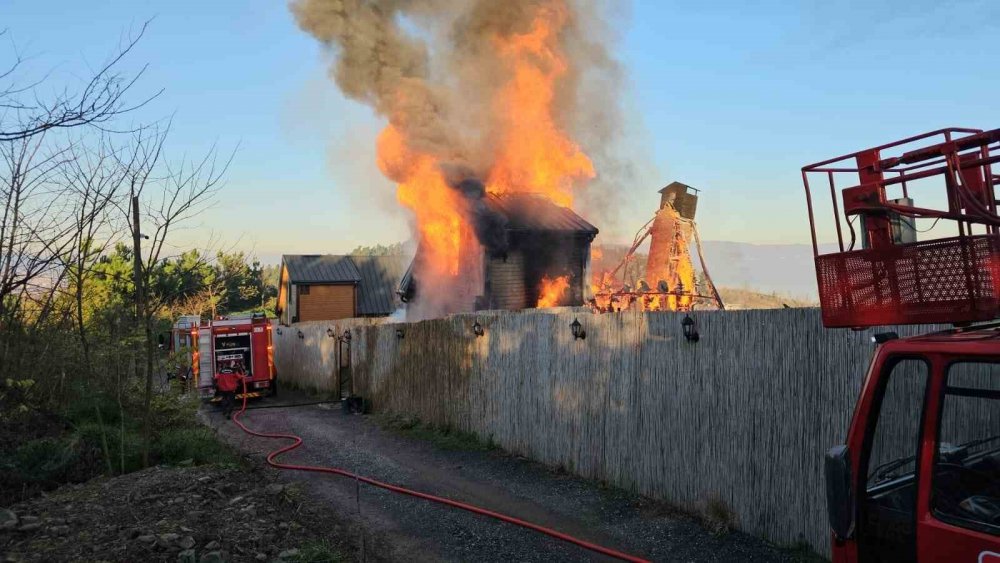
(498, 92)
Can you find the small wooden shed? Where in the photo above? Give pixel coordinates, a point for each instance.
(319, 287)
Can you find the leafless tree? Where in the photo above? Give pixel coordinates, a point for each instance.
(95, 179)
(98, 101)
(69, 174)
(164, 194)
(45, 218)
(33, 227)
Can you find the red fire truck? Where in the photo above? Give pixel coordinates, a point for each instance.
(918, 478)
(218, 343)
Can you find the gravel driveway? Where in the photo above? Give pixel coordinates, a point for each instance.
(391, 527)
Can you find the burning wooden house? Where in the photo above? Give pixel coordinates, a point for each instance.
(520, 250)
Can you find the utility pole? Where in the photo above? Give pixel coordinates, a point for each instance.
(140, 313)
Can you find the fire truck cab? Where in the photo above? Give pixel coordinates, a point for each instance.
(918, 477)
(218, 344)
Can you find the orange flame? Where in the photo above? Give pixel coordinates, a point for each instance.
(670, 262)
(552, 291)
(532, 153)
(423, 189)
(535, 155)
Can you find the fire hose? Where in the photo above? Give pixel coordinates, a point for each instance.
(297, 441)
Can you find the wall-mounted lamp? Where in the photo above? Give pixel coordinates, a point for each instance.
(883, 337)
(347, 336)
(330, 333)
(278, 330)
(399, 333)
(477, 329)
(690, 332)
(301, 335)
(577, 328)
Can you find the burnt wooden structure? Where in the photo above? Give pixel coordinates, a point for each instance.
(539, 239)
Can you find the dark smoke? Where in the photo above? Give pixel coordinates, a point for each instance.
(433, 70)
(437, 87)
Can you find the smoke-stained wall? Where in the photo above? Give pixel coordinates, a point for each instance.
(744, 415)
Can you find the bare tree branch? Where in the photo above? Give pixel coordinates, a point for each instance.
(98, 102)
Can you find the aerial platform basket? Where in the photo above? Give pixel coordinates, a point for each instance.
(879, 273)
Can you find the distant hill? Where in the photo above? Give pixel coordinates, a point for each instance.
(785, 269)
(745, 299)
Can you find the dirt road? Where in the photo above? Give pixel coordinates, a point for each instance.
(392, 527)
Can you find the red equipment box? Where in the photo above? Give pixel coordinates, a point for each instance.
(882, 274)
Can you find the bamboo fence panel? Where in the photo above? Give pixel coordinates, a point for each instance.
(310, 362)
(744, 416)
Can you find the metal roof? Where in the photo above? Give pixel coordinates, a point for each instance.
(320, 268)
(535, 212)
(676, 185)
(380, 276)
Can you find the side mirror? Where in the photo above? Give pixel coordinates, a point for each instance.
(839, 492)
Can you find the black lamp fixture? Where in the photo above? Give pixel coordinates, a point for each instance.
(399, 333)
(301, 335)
(330, 333)
(278, 330)
(477, 329)
(347, 336)
(690, 332)
(577, 328)
(883, 337)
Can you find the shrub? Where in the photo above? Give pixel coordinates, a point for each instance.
(47, 459)
(717, 516)
(173, 409)
(89, 407)
(319, 552)
(195, 443)
(124, 449)
(42, 463)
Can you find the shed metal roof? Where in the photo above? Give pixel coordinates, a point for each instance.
(320, 268)
(674, 185)
(380, 276)
(535, 212)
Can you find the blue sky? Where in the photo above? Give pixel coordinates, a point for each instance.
(732, 97)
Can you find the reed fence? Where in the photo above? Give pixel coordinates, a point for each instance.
(744, 415)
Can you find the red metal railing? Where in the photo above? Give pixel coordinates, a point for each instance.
(875, 277)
